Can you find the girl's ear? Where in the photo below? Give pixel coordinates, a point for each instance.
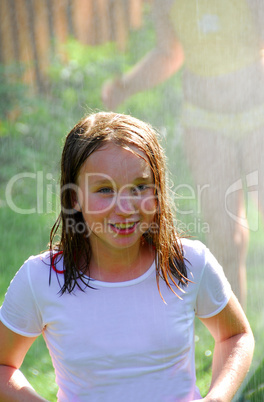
(75, 202)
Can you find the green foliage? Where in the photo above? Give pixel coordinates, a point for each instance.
(12, 92)
(77, 84)
(254, 390)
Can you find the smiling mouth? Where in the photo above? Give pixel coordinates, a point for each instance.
(127, 225)
(126, 228)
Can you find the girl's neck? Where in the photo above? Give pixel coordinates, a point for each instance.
(121, 266)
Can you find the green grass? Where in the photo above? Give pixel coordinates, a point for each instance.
(254, 390)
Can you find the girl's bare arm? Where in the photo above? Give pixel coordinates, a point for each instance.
(234, 346)
(14, 387)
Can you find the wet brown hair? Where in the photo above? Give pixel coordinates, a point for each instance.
(87, 136)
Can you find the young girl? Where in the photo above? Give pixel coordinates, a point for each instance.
(116, 297)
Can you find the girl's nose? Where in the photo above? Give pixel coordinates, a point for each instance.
(125, 204)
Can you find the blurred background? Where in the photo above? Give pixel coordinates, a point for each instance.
(55, 58)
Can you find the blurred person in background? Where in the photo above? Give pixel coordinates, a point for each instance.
(219, 44)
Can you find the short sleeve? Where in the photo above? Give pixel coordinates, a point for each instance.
(20, 312)
(214, 289)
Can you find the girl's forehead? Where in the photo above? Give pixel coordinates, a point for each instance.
(113, 158)
(119, 151)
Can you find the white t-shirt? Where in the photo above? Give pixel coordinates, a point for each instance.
(119, 342)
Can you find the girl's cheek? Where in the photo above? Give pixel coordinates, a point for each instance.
(149, 204)
(98, 206)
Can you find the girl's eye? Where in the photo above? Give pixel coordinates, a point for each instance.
(139, 188)
(105, 190)
(142, 187)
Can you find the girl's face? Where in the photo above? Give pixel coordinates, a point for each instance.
(116, 196)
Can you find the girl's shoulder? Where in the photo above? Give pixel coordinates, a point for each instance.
(194, 250)
(40, 258)
(29, 293)
(46, 258)
(198, 258)
(38, 267)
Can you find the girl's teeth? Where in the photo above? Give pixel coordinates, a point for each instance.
(124, 225)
